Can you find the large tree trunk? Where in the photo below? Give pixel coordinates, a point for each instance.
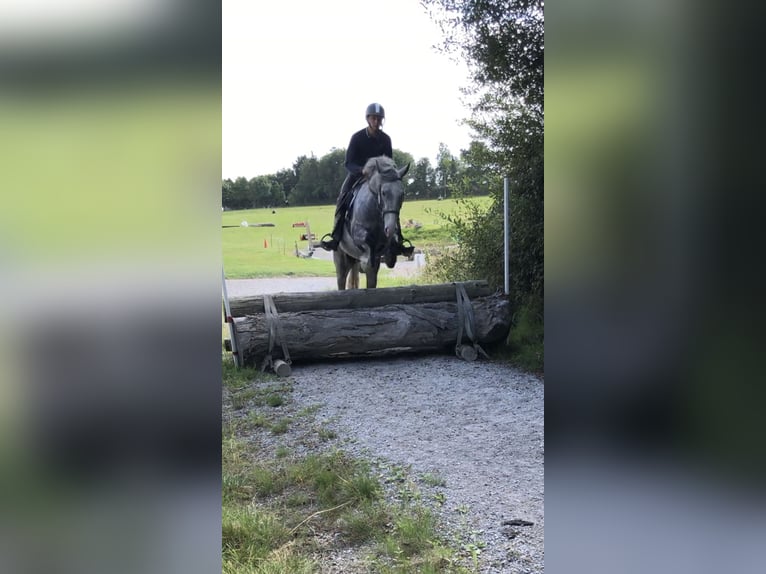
(357, 298)
(335, 333)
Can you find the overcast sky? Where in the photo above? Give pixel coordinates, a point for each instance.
(298, 75)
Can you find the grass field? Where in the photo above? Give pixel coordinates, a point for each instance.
(252, 251)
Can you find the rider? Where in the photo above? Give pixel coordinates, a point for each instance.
(365, 144)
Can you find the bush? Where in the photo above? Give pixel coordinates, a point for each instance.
(479, 254)
(526, 339)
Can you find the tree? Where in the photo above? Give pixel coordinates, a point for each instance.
(331, 173)
(446, 171)
(227, 194)
(402, 158)
(503, 43)
(306, 190)
(422, 175)
(260, 191)
(287, 179)
(501, 40)
(475, 177)
(239, 191)
(298, 166)
(277, 192)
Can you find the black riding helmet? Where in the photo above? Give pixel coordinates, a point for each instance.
(375, 110)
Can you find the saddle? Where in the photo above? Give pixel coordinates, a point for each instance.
(352, 196)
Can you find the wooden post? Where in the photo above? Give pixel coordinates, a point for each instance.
(308, 236)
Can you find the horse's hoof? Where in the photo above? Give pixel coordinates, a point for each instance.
(390, 260)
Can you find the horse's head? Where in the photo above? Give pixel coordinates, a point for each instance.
(386, 184)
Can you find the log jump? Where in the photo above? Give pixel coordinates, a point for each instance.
(369, 322)
(357, 298)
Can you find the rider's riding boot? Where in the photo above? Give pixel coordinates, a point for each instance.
(344, 198)
(332, 243)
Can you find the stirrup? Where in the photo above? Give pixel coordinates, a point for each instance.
(407, 251)
(330, 244)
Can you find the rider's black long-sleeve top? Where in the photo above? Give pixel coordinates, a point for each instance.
(362, 147)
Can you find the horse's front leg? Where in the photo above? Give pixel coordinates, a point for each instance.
(341, 269)
(372, 270)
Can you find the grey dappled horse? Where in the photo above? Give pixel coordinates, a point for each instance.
(370, 228)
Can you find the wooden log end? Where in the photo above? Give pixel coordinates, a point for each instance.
(467, 353)
(281, 368)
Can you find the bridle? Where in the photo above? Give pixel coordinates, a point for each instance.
(379, 195)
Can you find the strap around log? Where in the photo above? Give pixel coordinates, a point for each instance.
(465, 320)
(275, 333)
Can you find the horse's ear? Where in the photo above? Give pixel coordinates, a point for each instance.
(402, 172)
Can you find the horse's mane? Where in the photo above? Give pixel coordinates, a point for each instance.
(381, 165)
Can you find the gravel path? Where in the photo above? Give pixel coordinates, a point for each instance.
(242, 287)
(478, 427)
